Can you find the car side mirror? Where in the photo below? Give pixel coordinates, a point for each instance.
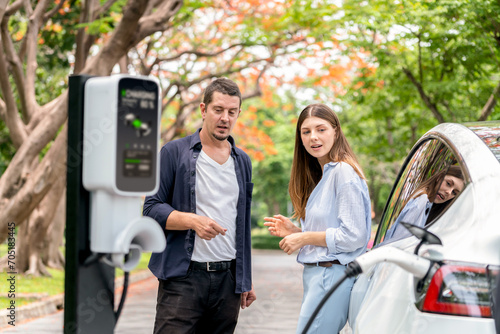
(423, 235)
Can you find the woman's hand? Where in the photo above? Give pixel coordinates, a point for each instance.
(292, 242)
(280, 226)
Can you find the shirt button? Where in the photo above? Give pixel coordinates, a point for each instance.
(192, 173)
(195, 156)
(190, 249)
(192, 192)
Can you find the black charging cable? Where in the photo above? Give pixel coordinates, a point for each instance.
(123, 296)
(351, 270)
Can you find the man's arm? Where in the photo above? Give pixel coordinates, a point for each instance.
(205, 227)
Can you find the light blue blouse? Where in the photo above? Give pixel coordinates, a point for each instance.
(415, 212)
(340, 205)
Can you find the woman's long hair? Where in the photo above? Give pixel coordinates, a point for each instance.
(306, 170)
(431, 186)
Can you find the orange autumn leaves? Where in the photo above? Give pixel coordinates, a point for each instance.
(252, 138)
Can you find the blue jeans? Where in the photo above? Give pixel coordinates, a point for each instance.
(333, 315)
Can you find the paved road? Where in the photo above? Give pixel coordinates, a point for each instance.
(277, 282)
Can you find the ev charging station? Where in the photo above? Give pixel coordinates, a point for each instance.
(113, 137)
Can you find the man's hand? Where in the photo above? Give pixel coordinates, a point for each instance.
(206, 228)
(247, 298)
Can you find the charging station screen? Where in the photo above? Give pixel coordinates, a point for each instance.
(137, 134)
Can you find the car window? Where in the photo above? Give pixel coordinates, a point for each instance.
(429, 182)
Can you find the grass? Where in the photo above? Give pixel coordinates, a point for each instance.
(25, 284)
(50, 286)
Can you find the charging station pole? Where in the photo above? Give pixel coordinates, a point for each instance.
(113, 137)
(89, 287)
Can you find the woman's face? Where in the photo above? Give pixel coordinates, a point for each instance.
(318, 137)
(450, 188)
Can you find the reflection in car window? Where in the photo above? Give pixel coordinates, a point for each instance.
(489, 132)
(428, 185)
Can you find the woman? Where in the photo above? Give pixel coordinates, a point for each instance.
(428, 201)
(330, 197)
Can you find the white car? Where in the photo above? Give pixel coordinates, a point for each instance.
(455, 296)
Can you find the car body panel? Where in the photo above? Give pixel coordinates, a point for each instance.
(395, 312)
(383, 298)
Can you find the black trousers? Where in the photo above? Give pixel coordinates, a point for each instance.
(200, 302)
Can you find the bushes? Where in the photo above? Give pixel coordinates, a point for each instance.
(261, 239)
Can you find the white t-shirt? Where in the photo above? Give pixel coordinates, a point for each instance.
(217, 194)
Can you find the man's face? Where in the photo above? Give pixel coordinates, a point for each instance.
(220, 116)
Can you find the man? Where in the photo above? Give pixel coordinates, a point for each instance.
(203, 204)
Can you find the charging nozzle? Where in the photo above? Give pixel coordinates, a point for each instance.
(412, 263)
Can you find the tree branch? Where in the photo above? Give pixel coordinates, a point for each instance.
(16, 66)
(35, 23)
(490, 105)
(82, 39)
(3, 8)
(158, 20)
(420, 70)
(32, 146)
(42, 112)
(171, 99)
(427, 101)
(14, 123)
(14, 7)
(53, 165)
(120, 42)
(53, 11)
(103, 9)
(200, 54)
(3, 111)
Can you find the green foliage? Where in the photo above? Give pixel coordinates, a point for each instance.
(448, 47)
(261, 239)
(107, 22)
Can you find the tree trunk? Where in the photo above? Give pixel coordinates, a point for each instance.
(54, 258)
(34, 236)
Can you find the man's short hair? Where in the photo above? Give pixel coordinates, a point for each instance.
(221, 85)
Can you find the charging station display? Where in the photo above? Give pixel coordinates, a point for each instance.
(136, 146)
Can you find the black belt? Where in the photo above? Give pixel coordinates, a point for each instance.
(324, 263)
(212, 266)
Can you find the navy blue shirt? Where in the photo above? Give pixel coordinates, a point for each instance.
(177, 192)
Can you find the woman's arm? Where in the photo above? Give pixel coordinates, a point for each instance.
(294, 241)
(354, 222)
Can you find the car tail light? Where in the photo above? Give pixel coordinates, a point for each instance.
(459, 289)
